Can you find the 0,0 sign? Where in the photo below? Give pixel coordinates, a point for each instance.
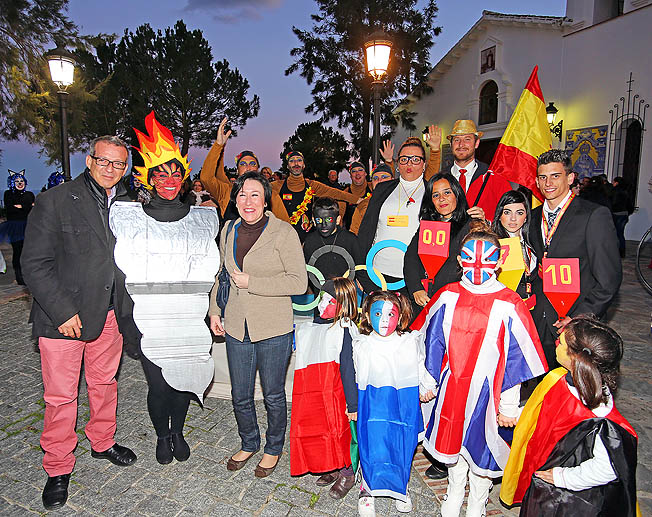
(440, 237)
(564, 273)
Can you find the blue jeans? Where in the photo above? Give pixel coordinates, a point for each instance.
(271, 357)
(620, 221)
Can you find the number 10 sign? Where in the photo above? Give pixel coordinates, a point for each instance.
(561, 283)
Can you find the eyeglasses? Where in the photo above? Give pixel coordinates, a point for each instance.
(252, 163)
(321, 220)
(104, 162)
(414, 160)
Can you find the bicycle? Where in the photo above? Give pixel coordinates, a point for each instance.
(644, 260)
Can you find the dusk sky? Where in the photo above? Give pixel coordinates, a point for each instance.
(256, 37)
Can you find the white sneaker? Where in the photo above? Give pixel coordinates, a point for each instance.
(366, 506)
(404, 507)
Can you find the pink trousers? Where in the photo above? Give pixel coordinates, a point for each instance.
(61, 361)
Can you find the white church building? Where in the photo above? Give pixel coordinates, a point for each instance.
(595, 65)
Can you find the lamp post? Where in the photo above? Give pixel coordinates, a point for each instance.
(551, 115)
(377, 50)
(62, 71)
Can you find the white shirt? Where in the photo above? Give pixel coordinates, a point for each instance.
(593, 472)
(389, 261)
(547, 210)
(470, 171)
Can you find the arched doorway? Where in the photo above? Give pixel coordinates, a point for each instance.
(632, 155)
(628, 153)
(488, 113)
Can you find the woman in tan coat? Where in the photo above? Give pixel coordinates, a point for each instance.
(264, 259)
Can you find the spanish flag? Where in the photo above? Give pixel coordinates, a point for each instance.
(557, 429)
(526, 137)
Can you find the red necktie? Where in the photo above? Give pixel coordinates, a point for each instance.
(463, 179)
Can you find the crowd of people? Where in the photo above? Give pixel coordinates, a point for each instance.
(394, 355)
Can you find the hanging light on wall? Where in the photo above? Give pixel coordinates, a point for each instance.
(551, 115)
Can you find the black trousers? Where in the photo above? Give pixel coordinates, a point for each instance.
(17, 247)
(167, 407)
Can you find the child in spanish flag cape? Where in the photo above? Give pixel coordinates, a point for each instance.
(481, 343)
(324, 396)
(573, 453)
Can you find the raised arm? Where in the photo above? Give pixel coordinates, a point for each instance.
(212, 173)
(387, 154)
(434, 161)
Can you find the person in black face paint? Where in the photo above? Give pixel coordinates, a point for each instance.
(337, 242)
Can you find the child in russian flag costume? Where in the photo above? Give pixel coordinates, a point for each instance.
(324, 395)
(481, 343)
(573, 453)
(392, 378)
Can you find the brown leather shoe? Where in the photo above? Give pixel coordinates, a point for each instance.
(341, 487)
(328, 479)
(263, 472)
(238, 464)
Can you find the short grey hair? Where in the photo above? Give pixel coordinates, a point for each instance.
(109, 139)
(555, 156)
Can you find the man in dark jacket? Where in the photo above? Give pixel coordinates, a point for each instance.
(567, 226)
(78, 294)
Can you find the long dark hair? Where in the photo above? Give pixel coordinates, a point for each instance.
(509, 197)
(595, 351)
(428, 211)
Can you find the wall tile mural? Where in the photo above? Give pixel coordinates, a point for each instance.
(587, 150)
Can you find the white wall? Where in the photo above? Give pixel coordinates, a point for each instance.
(456, 94)
(595, 67)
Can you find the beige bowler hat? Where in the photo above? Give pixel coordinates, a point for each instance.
(464, 127)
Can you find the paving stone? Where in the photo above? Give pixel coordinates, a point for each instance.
(275, 509)
(157, 505)
(188, 488)
(257, 494)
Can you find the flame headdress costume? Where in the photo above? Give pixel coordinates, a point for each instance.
(169, 264)
(158, 150)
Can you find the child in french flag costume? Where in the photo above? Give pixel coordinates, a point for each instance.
(573, 453)
(480, 343)
(324, 395)
(392, 378)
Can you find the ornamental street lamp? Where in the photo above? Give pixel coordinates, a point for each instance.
(62, 71)
(377, 50)
(551, 115)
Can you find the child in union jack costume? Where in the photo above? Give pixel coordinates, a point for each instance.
(481, 343)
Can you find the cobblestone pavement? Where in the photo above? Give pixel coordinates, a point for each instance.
(202, 485)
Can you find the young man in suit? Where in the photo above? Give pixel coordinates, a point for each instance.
(482, 188)
(567, 226)
(78, 298)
